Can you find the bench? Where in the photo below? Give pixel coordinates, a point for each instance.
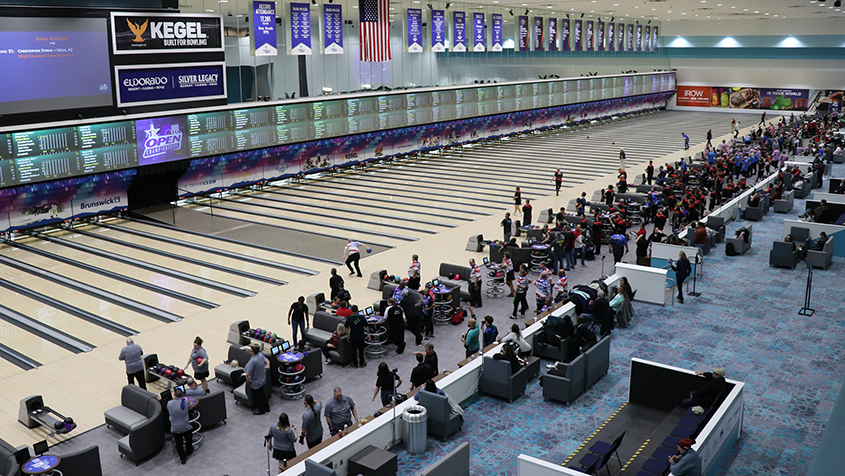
(233, 376)
(323, 325)
(139, 416)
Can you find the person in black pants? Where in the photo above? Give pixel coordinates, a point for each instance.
(353, 256)
(335, 282)
(355, 326)
(413, 314)
(682, 270)
(519, 300)
(178, 408)
(255, 372)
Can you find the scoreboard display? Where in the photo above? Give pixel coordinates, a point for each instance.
(49, 154)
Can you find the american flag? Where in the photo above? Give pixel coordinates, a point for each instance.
(375, 30)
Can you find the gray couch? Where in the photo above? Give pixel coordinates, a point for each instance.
(784, 205)
(85, 462)
(784, 255)
(447, 269)
(739, 245)
(441, 421)
(322, 327)
(821, 259)
(140, 417)
(242, 395)
(8, 463)
(496, 379)
(568, 387)
(212, 409)
(803, 188)
(597, 362)
(233, 376)
(456, 463)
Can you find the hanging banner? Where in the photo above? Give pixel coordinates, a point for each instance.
(415, 30)
(538, 34)
(620, 37)
(565, 35)
(264, 19)
(332, 29)
(552, 34)
(438, 31)
(300, 28)
(654, 39)
(647, 39)
(459, 30)
(600, 36)
(497, 32)
(523, 33)
(639, 37)
(611, 36)
(478, 43)
(588, 38)
(630, 43)
(578, 40)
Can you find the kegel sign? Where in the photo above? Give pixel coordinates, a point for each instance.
(165, 33)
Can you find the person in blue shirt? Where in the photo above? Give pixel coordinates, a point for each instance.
(255, 372)
(687, 462)
(178, 409)
(686, 140)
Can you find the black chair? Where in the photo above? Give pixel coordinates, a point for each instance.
(591, 469)
(656, 466)
(602, 448)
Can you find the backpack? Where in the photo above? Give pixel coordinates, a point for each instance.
(458, 316)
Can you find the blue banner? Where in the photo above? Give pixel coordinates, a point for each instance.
(552, 34)
(579, 41)
(332, 29)
(415, 30)
(479, 44)
(264, 19)
(588, 38)
(538, 34)
(146, 85)
(611, 36)
(647, 39)
(523, 33)
(565, 35)
(459, 31)
(639, 37)
(630, 42)
(620, 37)
(438, 31)
(497, 32)
(600, 36)
(654, 39)
(300, 28)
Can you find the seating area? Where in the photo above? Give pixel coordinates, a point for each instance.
(140, 418)
(821, 259)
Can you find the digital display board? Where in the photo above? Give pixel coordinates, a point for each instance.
(39, 155)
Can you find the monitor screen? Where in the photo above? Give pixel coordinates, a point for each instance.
(285, 346)
(166, 396)
(276, 350)
(369, 311)
(435, 283)
(58, 63)
(486, 260)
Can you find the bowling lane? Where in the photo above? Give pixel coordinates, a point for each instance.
(152, 257)
(432, 185)
(196, 254)
(161, 280)
(30, 345)
(491, 178)
(212, 243)
(349, 205)
(8, 369)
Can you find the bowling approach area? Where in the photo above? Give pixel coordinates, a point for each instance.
(70, 296)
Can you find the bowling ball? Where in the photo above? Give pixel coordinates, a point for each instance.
(58, 425)
(167, 373)
(272, 340)
(457, 276)
(235, 363)
(69, 420)
(298, 367)
(275, 336)
(180, 373)
(256, 333)
(171, 368)
(297, 378)
(369, 250)
(397, 279)
(288, 379)
(162, 370)
(199, 360)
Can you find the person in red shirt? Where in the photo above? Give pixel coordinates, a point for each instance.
(343, 310)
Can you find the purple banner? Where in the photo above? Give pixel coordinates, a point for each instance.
(639, 37)
(139, 86)
(415, 30)
(438, 31)
(630, 42)
(478, 37)
(264, 19)
(565, 35)
(611, 36)
(160, 139)
(588, 39)
(332, 29)
(647, 39)
(459, 30)
(620, 37)
(579, 41)
(600, 36)
(497, 32)
(552, 34)
(522, 33)
(300, 28)
(654, 39)
(784, 99)
(538, 34)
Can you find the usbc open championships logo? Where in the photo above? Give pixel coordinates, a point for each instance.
(161, 140)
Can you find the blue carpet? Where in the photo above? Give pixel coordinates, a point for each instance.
(745, 321)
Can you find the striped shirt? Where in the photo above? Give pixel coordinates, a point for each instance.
(543, 288)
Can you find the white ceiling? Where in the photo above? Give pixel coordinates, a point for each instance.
(661, 10)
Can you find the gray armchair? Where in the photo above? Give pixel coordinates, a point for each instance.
(234, 376)
(557, 353)
(496, 379)
(212, 408)
(755, 213)
(718, 224)
(567, 387)
(441, 421)
(136, 405)
(784, 255)
(784, 205)
(81, 463)
(802, 188)
(243, 394)
(799, 234)
(9, 465)
(739, 245)
(821, 259)
(598, 361)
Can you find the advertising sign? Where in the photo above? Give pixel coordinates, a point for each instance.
(538, 34)
(588, 37)
(332, 29)
(565, 35)
(577, 33)
(438, 31)
(654, 39)
(693, 96)
(300, 29)
(479, 45)
(552, 34)
(611, 36)
(264, 20)
(160, 139)
(620, 37)
(143, 85)
(497, 32)
(523, 33)
(780, 99)
(134, 33)
(630, 43)
(647, 39)
(459, 30)
(599, 35)
(639, 37)
(784, 99)
(415, 30)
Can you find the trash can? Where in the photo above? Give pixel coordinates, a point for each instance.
(416, 429)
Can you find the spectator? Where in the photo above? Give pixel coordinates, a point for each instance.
(515, 337)
(687, 462)
(421, 372)
(707, 395)
(508, 354)
(334, 340)
(339, 412)
(312, 429)
(282, 440)
(682, 270)
(386, 383)
(470, 339)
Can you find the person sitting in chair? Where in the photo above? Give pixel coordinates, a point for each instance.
(708, 394)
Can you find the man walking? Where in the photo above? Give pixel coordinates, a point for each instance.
(131, 355)
(506, 226)
(709, 138)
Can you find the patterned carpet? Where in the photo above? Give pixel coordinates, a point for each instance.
(746, 320)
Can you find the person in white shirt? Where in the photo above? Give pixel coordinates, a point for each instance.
(560, 289)
(516, 336)
(474, 284)
(353, 255)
